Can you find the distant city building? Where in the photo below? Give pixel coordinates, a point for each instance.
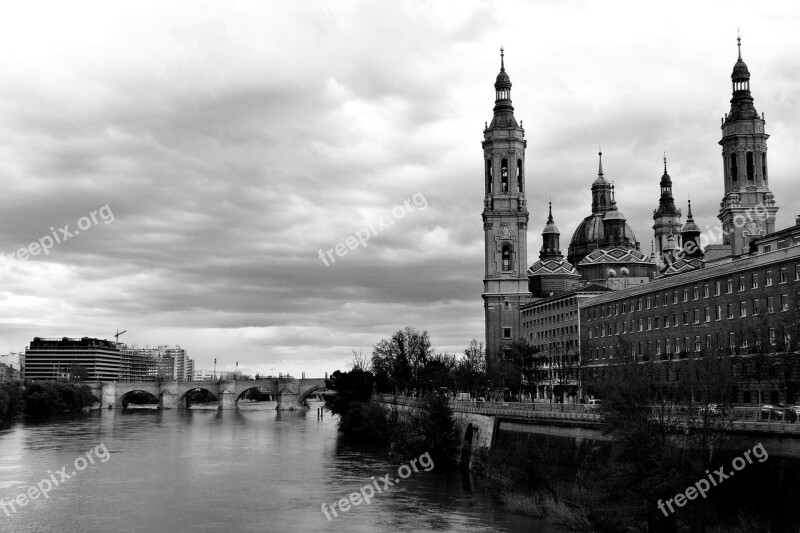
(203, 375)
(8, 373)
(90, 359)
(64, 358)
(138, 364)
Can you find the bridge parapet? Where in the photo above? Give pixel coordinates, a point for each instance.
(290, 393)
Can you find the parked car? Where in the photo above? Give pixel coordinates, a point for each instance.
(792, 413)
(593, 404)
(778, 411)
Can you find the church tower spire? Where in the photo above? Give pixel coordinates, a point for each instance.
(667, 218)
(690, 236)
(601, 189)
(747, 210)
(505, 221)
(550, 239)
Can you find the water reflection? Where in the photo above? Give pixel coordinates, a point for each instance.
(239, 470)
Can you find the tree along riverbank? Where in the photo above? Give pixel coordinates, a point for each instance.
(42, 399)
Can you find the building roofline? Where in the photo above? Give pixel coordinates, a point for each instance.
(764, 259)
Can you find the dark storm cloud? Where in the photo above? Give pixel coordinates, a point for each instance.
(233, 143)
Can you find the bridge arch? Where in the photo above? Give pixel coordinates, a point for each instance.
(124, 399)
(256, 387)
(305, 394)
(183, 399)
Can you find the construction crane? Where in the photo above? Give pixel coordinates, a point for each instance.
(117, 334)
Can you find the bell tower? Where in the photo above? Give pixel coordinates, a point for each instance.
(667, 218)
(747, 210)
(505, 222)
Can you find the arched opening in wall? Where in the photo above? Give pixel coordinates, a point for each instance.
(138, 399)
(466, 449)
(199, 398)
(519, 175)
(504, 175)
(734, 168)
(489, 177)
(764, 167)
(751, 167)
(256, 398)
(506, 257)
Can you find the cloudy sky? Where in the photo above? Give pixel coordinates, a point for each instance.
(222, 145)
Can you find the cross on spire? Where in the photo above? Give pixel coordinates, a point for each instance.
(502, 60)
(739, 44)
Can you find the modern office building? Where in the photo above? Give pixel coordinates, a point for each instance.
(62, 359)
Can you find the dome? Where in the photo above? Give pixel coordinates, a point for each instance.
(550, 227)
(502, 81)
(740, 70)
(589, 235)
(690, 226)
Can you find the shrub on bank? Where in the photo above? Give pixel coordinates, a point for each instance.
(10, 400)
(54, 398)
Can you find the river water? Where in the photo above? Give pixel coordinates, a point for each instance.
(242, 470)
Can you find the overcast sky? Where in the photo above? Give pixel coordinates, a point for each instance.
(231, 141)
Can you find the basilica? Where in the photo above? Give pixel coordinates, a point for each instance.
(540, 301)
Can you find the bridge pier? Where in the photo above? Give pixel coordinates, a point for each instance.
(227, 400)
(108, 394)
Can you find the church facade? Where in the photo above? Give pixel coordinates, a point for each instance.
(604, 260)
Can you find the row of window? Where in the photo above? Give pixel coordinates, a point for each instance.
(732, 341)
(696, 316)
(550, 319)
(680, 296)
(545, 308)
(782, 243)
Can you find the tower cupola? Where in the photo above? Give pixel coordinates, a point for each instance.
(601, 189)
(690, 236)
(503, 109)
(550, 239)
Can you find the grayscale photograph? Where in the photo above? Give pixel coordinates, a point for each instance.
(400, 266)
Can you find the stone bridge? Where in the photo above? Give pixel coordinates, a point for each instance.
(289, 393)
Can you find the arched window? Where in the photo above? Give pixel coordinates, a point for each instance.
(504, 175)
(506, 257)
(519, 175)
(764, 166)
(751, 168)
(489, 176)
(734, 169)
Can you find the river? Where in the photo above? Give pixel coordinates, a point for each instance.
(243, 470)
